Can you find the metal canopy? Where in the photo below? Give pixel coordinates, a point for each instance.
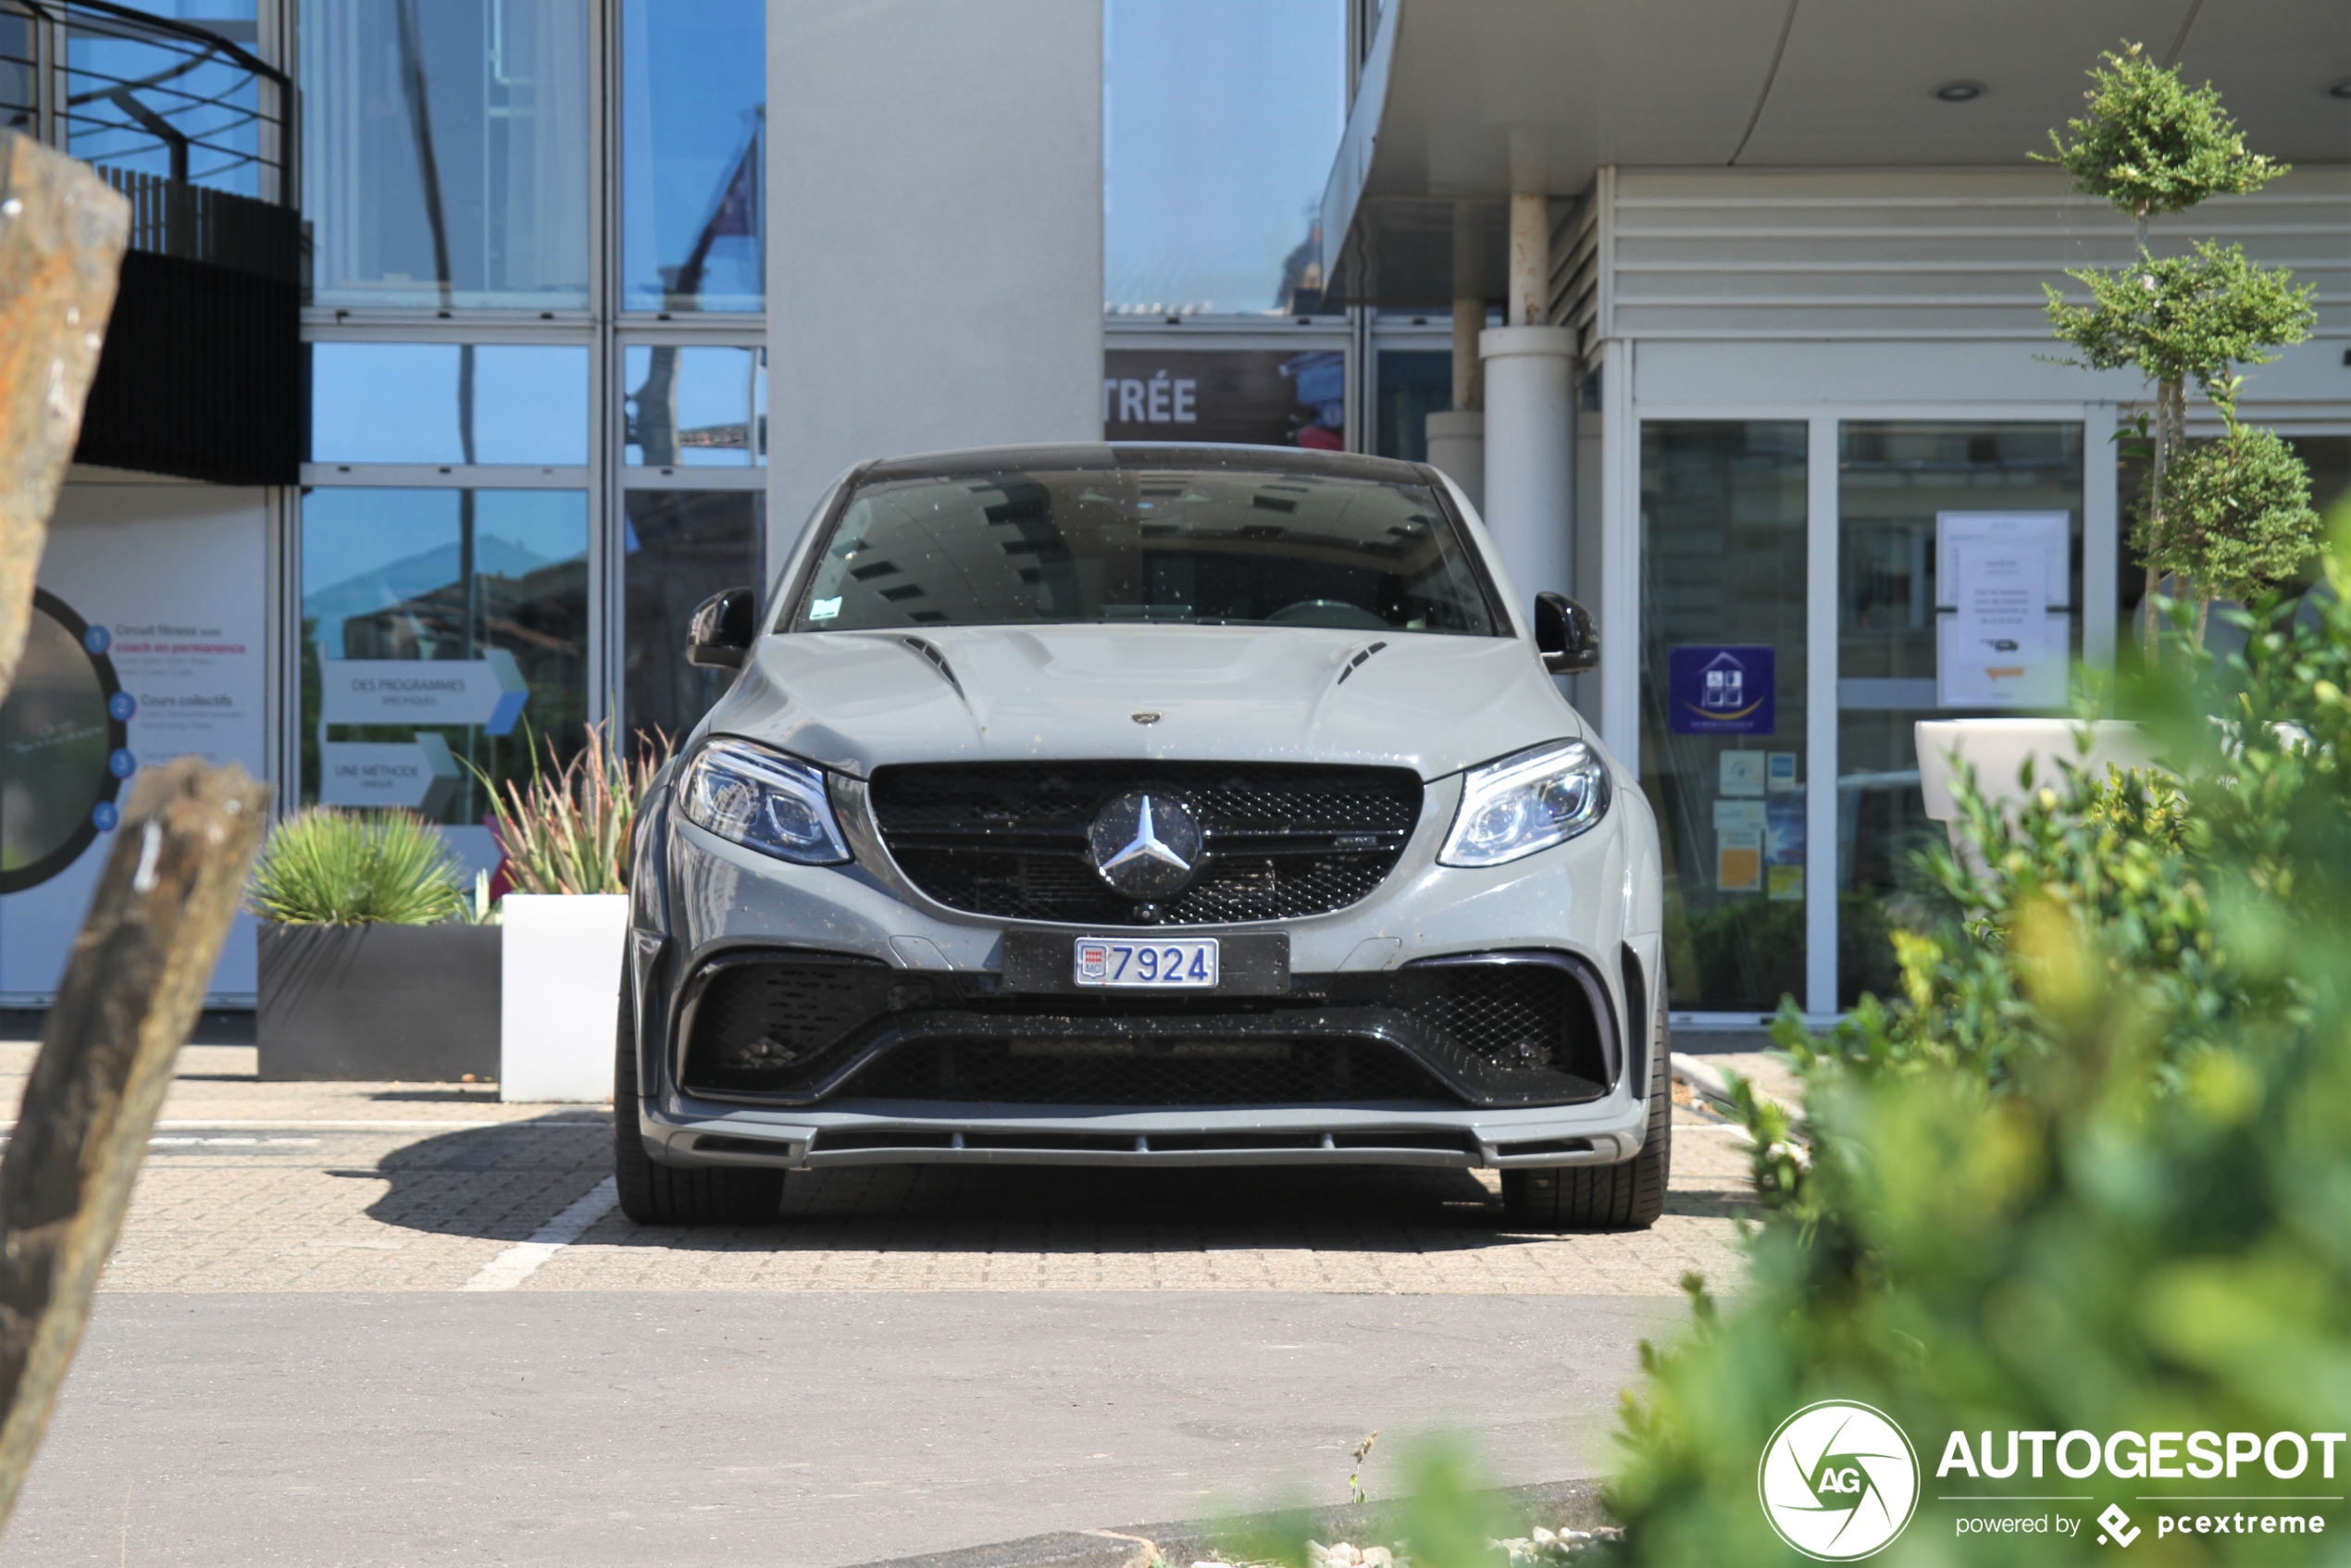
(1791, 83)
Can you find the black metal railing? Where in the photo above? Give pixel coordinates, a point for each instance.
(188, 124)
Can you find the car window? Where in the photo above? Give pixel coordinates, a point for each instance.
(1211, 547)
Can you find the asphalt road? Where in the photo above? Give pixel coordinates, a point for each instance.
(594, 1427)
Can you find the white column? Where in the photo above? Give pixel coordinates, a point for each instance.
(1530, 446)
(1822, 526)
(1457, 449)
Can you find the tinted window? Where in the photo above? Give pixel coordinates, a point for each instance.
(1213, 547)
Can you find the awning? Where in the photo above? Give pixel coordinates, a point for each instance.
(1449, 85)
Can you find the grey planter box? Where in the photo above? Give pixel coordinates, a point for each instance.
(416, 1003)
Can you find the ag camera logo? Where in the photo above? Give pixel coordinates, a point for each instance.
(1838, 1480)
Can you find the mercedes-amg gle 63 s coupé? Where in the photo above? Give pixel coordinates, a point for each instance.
(1144, 805)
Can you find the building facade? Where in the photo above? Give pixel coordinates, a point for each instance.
(579, 304)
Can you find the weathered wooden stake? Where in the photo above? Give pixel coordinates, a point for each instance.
(131, 995)
(62, 237)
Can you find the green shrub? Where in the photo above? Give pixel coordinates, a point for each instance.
(2093, 1170)
(324, 866)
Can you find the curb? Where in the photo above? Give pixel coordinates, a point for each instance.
(1705, 1080)
(1575, 1504)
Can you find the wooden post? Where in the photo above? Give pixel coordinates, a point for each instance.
(61, 236)
(131, 995)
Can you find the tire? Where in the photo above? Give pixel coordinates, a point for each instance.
(1623, 1197)
(652, 1193)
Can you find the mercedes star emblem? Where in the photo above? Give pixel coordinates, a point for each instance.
(1147, 846)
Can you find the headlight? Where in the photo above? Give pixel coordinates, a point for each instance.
(763, 800)
(1539, 797)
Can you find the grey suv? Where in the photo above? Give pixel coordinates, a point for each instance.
(1144, 805)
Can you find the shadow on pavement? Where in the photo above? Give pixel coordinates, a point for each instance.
(504, 1182)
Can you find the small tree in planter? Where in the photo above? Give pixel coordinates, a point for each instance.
(367, 967)
(2151, 144)
(565, 832)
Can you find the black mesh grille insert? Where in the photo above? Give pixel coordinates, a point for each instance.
(1483, 1032)
(1009, 839)
(1206, 1072)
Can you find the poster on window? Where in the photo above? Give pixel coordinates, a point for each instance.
(146, 643)
(1262, 397)
(2003, 582)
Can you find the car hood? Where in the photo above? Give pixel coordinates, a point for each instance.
(858, 701)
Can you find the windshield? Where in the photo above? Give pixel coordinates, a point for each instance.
(1215, 547)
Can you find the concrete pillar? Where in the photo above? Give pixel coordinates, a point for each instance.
(1457, 449)
(1530, 467)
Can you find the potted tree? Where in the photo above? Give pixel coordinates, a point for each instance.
(2228, 519)
(564, 924)
(368, 965)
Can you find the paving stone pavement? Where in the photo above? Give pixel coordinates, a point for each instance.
(377, 1187)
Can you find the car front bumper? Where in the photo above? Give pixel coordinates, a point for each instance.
(699, 898)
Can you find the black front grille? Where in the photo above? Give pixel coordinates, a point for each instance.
(1204, 1073)
(1485, 1032)
(1009, 839)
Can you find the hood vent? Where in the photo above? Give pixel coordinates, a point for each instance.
(1357, 662)
(937, 661)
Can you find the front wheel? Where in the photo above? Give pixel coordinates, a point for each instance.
(652, 1193)
(1623, 1197)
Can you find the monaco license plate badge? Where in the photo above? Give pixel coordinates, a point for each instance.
(1171, 963)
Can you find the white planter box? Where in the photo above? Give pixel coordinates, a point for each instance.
(559, 994)
(1997, 749)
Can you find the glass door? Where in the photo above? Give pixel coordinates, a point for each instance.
(1723, 710)
(1959, 591)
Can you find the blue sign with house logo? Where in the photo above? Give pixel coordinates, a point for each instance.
(1721, 691)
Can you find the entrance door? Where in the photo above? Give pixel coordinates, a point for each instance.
(1724, 712)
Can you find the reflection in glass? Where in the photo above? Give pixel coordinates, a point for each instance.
(19, 101)
(696, 407)
(448, 403)
(1722, 509)
(1413, 384)
(1220, 118)
(448, 575)
(682, 546)
(1893, 480)
(142, 100)
(1192, 546)
(694, 88)
(445, 159)
(56, 736)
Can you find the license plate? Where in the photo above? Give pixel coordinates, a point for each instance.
(1175, 963)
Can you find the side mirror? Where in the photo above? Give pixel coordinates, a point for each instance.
(719, 636)
(1565, 635)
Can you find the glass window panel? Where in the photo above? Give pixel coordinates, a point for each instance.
(1220, 120)
(442, 577)
(446, 155)
(1723, 510)
(139, 99)
(448, 403)
(1264, 397)
(694, 407)
(693, 84)
(19, 99)
(1413, 384)
(1893, 480)
(681, 546)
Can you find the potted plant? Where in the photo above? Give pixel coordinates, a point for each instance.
(565, 834)
(369, 967)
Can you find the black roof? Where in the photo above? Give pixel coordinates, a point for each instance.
(1146, 455)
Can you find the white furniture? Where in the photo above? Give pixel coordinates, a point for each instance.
(559, 994)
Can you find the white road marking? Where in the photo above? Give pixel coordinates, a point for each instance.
(521, 1260)
(275, 1122)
